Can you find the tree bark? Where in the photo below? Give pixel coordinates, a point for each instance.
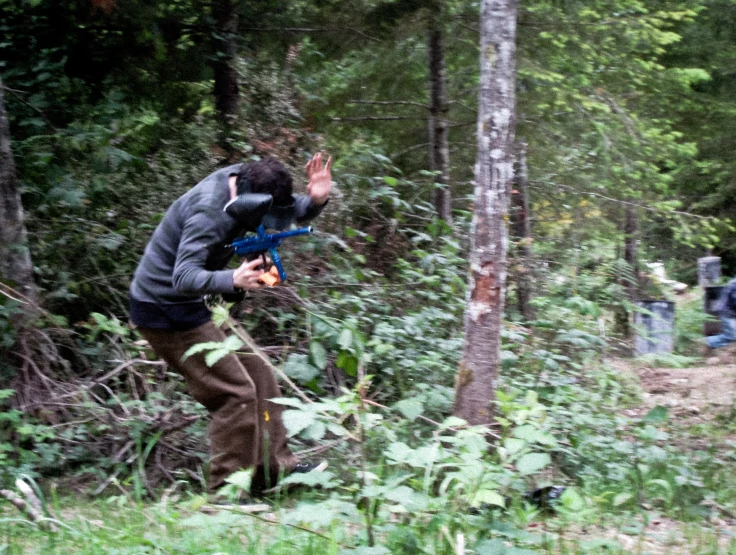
(15, 259)
(522, 232)
(439, 148)
(225, 46)
(631, 230)
(494, 172)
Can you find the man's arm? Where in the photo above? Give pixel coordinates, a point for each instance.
(200, 233)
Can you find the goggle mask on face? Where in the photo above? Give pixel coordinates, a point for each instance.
(252, 210)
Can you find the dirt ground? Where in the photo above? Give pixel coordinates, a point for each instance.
(693, 396)
(690, 393)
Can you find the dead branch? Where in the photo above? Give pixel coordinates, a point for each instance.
(31, 512)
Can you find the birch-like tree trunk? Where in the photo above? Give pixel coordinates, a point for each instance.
(226, 75)
(15, 260)
(494, 172)
(439, 147)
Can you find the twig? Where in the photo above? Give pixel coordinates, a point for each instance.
(46, 119)
(312, 30)
(296, 526)
(389, 103)
(375, 118)
(421, 417)
(4, 288)
(635, 204)
(24, 506)
(321, 448)
(409, 149)
(257, 352)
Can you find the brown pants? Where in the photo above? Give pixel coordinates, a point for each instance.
(246, 429)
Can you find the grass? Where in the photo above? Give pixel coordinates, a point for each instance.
(118, 526)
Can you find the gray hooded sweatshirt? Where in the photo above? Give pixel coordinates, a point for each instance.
(187, 254)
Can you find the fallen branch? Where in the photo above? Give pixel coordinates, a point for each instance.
(34, 515)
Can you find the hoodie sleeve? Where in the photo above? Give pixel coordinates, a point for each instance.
(306, 210)
(200, 233)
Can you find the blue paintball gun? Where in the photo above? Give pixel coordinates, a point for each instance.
(261, 242)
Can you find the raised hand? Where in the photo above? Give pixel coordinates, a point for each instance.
(320, 179)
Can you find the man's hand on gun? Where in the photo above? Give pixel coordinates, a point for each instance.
(251, 275)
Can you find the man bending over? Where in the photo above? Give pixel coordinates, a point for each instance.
(185, 260)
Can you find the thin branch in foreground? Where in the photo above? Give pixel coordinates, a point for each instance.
(296, 526)
(25, 507)
(375, 118)
(311, 30)
(245, 338)
(389, 103)
(619, 201)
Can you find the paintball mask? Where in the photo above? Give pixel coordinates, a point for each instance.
(252, 210)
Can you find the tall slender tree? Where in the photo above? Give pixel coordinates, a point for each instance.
(439, 147)
(522, 233)
(15, 260)
(226, 76)
(494, 172)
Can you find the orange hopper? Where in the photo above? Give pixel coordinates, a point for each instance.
(271, 277)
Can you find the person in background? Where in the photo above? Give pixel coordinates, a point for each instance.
(726, 308)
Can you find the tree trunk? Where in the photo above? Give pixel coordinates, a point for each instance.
(15, 260)
(439, 148)
(494, 172)
(631, 229)
(225, 46)
(522, 232)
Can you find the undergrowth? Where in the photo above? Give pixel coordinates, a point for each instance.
(375, 336)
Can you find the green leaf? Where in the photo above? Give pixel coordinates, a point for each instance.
(410, 408)
(513, 445)
(297, 420)
(241, 479)
(488, 497)
(571, 500)
(658, 415)
(532, 462)
(222, 348)
(491, 547)
(346, 338)
(621, 499)
(213, 357)
(391, 181)
(411, 500)
(298, 368)
(399, 451)
(347, 362)
(318, 355)
(316, 431)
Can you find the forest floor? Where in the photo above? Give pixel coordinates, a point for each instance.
(701, 416)
(700, 402)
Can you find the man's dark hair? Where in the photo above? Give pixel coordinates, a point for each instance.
(268, 176)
